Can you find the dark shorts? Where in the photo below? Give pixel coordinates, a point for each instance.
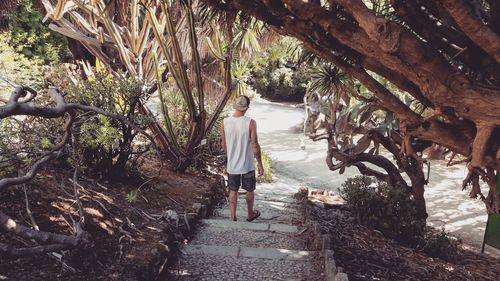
(246, 181)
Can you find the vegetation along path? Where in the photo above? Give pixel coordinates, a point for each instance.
(272, 246)
(280, 135)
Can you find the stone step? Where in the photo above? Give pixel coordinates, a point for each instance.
(272, 227)
(267, 216)
(248, 252)
(273, 200)
(264, 206)
(206, 267)
(268, 203)
(248, 238)
(272, 197)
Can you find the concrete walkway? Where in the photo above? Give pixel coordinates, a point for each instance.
(273, 247)
(280, 133)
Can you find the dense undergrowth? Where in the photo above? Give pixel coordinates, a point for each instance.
(392, 211)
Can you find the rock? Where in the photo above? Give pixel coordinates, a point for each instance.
(196, 207)
(171, 216)
(330, 266)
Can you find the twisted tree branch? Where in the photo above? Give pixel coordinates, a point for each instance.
(472, 26)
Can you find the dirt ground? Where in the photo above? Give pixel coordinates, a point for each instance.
(130, 237)
(365, 254)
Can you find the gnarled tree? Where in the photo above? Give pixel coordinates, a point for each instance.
(444, 54)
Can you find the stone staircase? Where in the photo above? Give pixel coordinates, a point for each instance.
(272, 247)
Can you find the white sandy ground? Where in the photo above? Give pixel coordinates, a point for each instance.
(279, 127)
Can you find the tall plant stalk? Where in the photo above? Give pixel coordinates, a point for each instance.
(144, 38)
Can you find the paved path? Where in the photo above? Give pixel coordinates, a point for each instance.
(270, 248)
(279, 127)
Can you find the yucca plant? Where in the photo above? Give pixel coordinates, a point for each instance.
(329, 81)
(156, 42)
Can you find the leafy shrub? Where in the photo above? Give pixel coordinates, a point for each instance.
(267, 162)
(439, 244)
(276, 75)
(104, 145)
(7, 158)
(392, 211)
(388, 209)
(17, 68)
(33, 39)
(22, 139)
(278, 82)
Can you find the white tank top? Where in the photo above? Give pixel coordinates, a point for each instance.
(239, 149)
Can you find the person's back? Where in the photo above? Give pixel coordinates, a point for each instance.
(239, 139)
(239, 149)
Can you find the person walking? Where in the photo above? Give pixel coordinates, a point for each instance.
(240, 142)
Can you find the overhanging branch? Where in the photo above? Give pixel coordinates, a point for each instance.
(472, 26)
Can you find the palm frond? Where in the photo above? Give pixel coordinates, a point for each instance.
(326, 78)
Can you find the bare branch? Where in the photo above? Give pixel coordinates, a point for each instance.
(9, 225)
(28, 210)
(479, 146)
(10, 250)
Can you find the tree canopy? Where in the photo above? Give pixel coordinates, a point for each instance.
(445, 54)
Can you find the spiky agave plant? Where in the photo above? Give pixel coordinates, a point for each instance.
(155, 42)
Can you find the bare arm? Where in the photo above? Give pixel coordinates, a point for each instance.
(255, 146)
(223, 137)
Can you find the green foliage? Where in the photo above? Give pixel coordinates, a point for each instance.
(392, 211)
(45, 143)
(267, 162)
(99, 132)
(326, 78)
(33, 39)
(241, 73)
(7, 169)
(388, 209)
(246, 38)
(24, 138)
(16, 67)
(132, 196)
(439, 244)
(177, 114)
(104, 145)
(276, 76)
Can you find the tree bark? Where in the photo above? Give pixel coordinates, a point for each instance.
(472, 26)
(68, 241)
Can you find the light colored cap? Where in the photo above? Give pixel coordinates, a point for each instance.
(241, 103)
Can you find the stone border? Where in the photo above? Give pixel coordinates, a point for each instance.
(324, 241)
(168, 247)
(332, 272)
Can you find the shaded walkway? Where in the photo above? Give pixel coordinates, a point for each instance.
(273, 247)
(279, 127)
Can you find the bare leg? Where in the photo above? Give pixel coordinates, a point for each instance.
(233, 199)
(250, 198)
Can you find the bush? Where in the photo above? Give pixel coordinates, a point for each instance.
(267, 162)
(392, 211)
(276, 76)
(33, 39)
(439, 244)
(104, 145)
(17, 68)
(388, 209)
